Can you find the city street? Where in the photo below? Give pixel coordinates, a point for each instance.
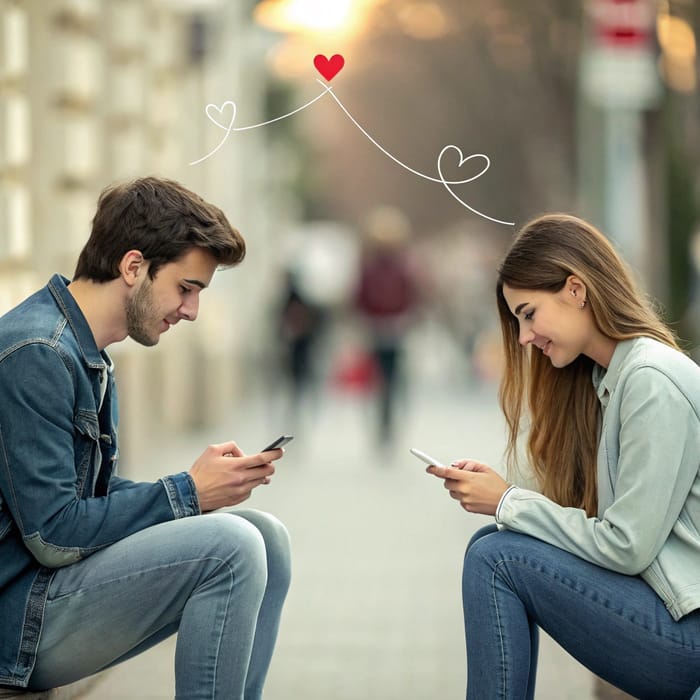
(374, 611)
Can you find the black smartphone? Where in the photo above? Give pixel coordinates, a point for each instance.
(281, 441)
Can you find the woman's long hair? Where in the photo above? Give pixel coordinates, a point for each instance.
(561, 404)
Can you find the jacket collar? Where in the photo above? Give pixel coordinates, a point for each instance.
(605, 380)
(58, 286)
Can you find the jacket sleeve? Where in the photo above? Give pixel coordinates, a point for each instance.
(38, 475)
(659, 455)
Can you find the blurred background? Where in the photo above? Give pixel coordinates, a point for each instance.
(362, 319)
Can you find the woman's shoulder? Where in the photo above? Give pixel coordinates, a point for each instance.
(652, 357)
(645, 350)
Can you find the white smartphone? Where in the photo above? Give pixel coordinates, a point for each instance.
(426, 457)
(281, 441)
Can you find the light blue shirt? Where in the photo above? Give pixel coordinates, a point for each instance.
(648, 520)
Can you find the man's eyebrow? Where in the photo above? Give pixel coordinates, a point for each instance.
(520, 307)
(199, 284)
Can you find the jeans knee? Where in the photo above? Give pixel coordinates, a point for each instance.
(277, 543)
(241, 544)
(480, 533)
(479, 560)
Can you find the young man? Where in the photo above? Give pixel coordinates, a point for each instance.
(95, 568)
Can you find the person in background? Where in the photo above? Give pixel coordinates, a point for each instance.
(300, 322)
(97, 568)
(606, 556)
(386, 299)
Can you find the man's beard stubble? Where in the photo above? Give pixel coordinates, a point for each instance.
(140, 313)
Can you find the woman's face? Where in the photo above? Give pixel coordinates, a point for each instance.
(557, 324)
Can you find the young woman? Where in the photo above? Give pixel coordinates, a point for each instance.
(605, 556)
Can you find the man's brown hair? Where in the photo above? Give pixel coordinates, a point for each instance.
(162, 219)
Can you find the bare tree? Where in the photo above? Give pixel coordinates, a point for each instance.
(499, 80)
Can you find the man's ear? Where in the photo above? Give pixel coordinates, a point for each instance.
(132, 266)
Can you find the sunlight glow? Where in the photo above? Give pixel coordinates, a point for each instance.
(307, 15)
(423, 20)
(678, 52)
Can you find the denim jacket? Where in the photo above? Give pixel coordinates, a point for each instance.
(648, 520)
(60, 498)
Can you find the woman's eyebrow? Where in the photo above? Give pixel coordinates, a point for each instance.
(520, 307)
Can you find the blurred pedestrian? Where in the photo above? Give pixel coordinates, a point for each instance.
(386, 298)
(300, 323)
(97, 568)
(606, 559)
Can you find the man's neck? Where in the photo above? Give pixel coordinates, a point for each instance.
(103, 308)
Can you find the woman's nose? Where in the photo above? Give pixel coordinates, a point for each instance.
(526, 336)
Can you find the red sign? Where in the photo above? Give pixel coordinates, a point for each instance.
(622, 23)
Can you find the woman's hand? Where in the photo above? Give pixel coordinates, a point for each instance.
(476, 486)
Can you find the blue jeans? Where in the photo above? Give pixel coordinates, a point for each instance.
(218, 580)
(615, 625)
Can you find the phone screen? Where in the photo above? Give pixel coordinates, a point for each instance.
(281, 441)
(426, 457)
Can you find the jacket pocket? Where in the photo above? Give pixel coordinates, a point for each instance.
(86, 443)
(5, 519)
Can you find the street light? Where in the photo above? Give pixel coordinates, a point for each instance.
(309, 27)
(306, 16)
(333, 19)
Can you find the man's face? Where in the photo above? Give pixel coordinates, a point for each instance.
(172, 295)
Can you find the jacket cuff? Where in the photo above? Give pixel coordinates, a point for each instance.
(501, 503)
(182, 494)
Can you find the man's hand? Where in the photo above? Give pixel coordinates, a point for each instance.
(224, 476)
(476, 486)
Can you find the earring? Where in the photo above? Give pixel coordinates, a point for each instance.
(582, 305)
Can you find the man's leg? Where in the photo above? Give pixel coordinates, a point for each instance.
(205, 576)
(278, 577)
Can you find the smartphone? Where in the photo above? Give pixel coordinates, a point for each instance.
(426, 457)
(281, 441)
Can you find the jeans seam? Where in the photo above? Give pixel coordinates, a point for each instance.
(504, 675)
(220, 634)
(132, 575)
(596, 601)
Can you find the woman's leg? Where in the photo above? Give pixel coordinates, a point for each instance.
(492, 644)
(205, 576)
(613, 624)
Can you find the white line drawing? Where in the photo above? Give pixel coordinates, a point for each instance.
(220, 111)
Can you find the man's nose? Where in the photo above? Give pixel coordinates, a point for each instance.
(190, 308)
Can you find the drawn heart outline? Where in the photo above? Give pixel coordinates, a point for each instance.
(462, 159)
(220, 114)
(329, 67)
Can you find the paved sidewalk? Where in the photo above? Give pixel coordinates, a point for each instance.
(374, 611)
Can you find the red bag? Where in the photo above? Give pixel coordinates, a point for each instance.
(355, 371)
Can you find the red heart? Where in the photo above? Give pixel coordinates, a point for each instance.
(329, 67)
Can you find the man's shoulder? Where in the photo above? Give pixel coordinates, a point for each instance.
(34, 320)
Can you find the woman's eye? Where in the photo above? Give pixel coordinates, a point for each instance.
(529, 315)
(183, 290)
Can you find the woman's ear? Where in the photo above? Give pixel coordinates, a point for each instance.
(131, 266)
(576, 288)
